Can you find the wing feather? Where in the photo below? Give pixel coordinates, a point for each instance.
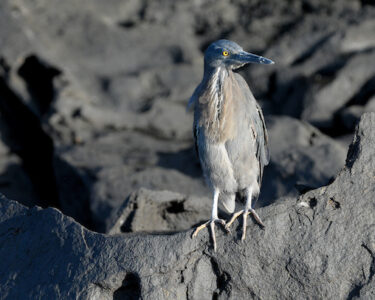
(195, 132)
(258, 126)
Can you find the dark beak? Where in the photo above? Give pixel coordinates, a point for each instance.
(245, 57)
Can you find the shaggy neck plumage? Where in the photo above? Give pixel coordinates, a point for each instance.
(215, 83)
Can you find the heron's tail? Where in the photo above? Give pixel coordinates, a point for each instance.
(228, 201)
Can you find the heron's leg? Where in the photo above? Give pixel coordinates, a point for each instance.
(248, 209)
(211, 222)
(246, 212)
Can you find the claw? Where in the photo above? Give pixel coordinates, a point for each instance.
(212, 229)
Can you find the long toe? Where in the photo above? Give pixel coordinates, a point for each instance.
(199, 228)
(212, 227)
(210, 223)
(232, 219)
(257, 218)
(244, 225)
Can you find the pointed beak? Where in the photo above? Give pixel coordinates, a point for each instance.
(245, 57)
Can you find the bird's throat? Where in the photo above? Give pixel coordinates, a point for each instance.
(217, 98)
(215, 104)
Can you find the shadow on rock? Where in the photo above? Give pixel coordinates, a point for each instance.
(130, 288)
(22, 133)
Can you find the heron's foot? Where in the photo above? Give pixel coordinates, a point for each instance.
(244, 214)
(210, 223)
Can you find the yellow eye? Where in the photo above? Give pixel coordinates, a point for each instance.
(225, 53)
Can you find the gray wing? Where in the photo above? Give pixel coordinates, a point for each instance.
(195, 133)
(194, 97)
(263, 152)
(259, 131)
(192, 101)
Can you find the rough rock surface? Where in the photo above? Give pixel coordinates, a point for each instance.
(93, 95)
(320, 245)
(150, 211)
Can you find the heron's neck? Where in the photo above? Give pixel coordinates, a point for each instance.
(215, 78)
(215, 109)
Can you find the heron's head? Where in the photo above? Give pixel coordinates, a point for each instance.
(228, 54)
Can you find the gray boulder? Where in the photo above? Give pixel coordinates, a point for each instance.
(147, 210)
(350, 116)
(321, 65)
(347, 83)
(116, 164)
(320, 245)
(302, 158)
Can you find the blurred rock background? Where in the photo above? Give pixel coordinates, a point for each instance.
(93, 100)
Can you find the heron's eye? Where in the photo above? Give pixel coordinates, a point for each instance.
(225, 53)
